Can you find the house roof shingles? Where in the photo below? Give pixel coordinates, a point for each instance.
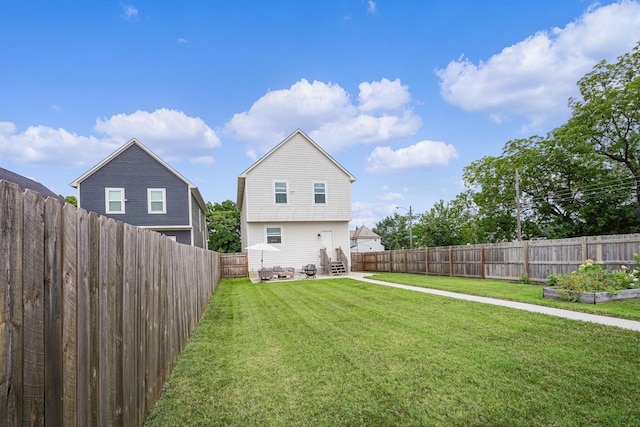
(26, 183)
(363, 232)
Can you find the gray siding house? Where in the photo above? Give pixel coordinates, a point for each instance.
(135, 186)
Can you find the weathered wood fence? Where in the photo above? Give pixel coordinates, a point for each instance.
(234, 265)
(93, 312)
(536, 259)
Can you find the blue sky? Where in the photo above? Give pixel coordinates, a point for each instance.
(402, 93)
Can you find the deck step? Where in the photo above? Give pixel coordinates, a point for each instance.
(337, 268)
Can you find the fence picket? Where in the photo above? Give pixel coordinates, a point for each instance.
(11, 357)
(33, 305)
(53, 311)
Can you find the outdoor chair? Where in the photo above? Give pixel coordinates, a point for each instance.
(265, 274)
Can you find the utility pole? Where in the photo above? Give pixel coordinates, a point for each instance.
(410, 225)
(410, 229)
(518, 225)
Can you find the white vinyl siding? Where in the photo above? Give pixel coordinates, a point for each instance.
(114, 200)
(299, 165)
(300, 243)
(319, 193)
(157, 200)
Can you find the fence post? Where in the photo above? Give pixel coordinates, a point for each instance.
(451, 261)
(482, 273)
(525, 250)
(426, 260)
(584, 249)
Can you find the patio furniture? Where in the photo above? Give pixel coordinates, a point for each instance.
(309, 271)
(265, 274)
(286, 273)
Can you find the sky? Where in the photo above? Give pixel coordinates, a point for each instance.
(404, 94)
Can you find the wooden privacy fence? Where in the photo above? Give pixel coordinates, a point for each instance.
(536, 259)
(234, 265)
(93, 312)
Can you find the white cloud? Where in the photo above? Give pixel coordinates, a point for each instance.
(168, 130)
(384, 95)
(370, 214)
(182, 41)
(130, 12)
(424, 154)
(169, 133)
(371, 7)
(325, 111)
(46, 145)
(390, 196)
(534, 78)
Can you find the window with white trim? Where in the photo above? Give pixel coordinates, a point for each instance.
(274, 235)
(114, 200)
(319, 193)
(157, 200)
(280, 190)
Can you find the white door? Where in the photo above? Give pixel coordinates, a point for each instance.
(327, 242)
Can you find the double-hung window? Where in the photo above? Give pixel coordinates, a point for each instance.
(274, 235)
(157, 200)
(114, 200)
(319, 193)
(280, 190)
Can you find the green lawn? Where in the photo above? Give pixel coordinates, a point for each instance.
(501, 289)
(345, 353)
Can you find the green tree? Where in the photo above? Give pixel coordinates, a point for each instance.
(223, 223)
(607, 118)
(563, 192)
(69, 199)
(393, 231)
(448, 224)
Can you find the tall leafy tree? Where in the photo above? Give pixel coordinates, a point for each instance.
(447, 224)
(223, 223)
(607, 117)
(563, 192)
(393, 231)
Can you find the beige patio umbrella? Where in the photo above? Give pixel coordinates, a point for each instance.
(262, 247)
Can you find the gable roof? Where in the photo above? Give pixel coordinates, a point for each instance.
(26, 183)
(242, 177)
(193, 189)
(363, 232)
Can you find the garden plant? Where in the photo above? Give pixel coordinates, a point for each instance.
(592, 277)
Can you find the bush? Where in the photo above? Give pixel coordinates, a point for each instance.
(591, 277)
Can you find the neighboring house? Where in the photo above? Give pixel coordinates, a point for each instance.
(27, 184)
(296, 198)
(135, 186)
(365, 240)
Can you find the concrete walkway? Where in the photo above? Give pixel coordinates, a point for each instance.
(567, 314)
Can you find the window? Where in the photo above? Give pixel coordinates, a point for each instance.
(114, 200)
(280, 191)
(319, 193)
(157, 200)
(274, 235)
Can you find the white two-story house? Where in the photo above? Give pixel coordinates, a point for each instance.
(296, 198)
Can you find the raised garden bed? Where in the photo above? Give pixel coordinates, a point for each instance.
(591, 297)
